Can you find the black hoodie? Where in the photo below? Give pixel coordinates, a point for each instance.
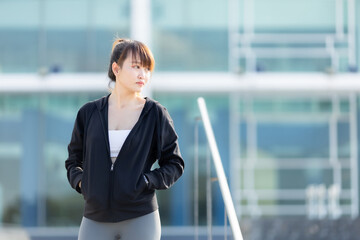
(120, 192)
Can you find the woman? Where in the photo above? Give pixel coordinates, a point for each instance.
(115, 141)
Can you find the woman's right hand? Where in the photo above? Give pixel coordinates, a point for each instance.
(80, 184)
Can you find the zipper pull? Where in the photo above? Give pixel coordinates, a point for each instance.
(112, 167)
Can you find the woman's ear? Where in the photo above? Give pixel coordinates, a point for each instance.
(115, 68)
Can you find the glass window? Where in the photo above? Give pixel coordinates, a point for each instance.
(64, 207)
(34, 133)
(46, 41)
(82, 41)
(19, 36)
(188, 37)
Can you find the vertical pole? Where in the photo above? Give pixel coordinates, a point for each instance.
(233, 33)
(196, 179)
(234, 149)
(333, 135)
(251, 159)
(225, 225)
(41, 178)
(339, 16)
(29, 172)
(330, 47)
(249, 17)
(248, 35)
(42, 66)
(91, 44)
(140, 20)
(208, 194)
(351, 33)
(141, 28)
(354, 157)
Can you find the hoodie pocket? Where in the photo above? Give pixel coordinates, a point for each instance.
(96, 197)
(129, 192)
(84, 186)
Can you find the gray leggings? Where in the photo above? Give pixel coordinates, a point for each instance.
(145, 227)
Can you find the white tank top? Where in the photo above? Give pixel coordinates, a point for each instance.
(116, 140)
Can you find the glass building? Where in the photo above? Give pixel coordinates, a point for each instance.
(279, 78)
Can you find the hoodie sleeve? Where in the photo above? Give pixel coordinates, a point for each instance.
(168, 155)
(74, 162)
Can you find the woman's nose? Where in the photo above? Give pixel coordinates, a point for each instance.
(142, 73)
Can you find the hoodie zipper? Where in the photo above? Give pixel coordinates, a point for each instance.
(111, 185)
(111, 192)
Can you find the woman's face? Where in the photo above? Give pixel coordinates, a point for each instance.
(132, 76)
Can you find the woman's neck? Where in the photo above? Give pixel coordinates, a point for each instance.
(122, 99)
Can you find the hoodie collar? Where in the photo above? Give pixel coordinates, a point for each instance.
(103, 102)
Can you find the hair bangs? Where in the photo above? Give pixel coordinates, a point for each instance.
(142, 54)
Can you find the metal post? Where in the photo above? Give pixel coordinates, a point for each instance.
(251, 160)
(208, 194)
(333, 138)
(225, 225)
(339, 13)
(351, 33)
(234, 149)
(354, 157)
(141, 28)
(334, 56)
(248, 17)
(233, 30)
(42, 43)
(41, 178)
(248, 35)
(90, 35)
(196, 179)
(140, 20)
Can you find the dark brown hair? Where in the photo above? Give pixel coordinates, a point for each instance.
(122, 47)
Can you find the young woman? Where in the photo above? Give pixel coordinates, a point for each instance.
(115, 141)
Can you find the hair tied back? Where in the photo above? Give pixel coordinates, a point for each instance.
(117, 42)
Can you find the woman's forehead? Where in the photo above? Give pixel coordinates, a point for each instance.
(138, 58)
(133, 57)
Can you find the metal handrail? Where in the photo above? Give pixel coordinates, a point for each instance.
(344, 33)
(224, 187)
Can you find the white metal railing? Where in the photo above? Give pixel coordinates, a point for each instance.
(339, 196)
(224, 187)
(335, 44)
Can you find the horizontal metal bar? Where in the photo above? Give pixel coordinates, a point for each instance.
(295, 117)
(262, 84)
(290, 37)
(82, 82)
(282, 52)
(290, 164)
(282, 194)
(287, 210)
